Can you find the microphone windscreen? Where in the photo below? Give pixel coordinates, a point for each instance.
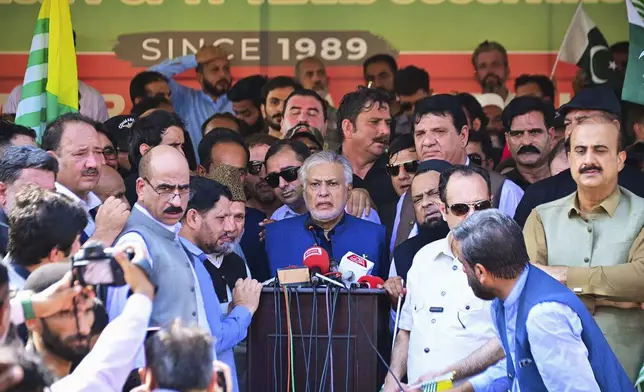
(308, 223)
(372, 281)
(316, 256)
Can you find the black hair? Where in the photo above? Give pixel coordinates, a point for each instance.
(305, 92)
(150, 130)
(358, 101)
(635, 155)
(217, 136)
(410, 79)
(278, 82)
(149, 103)
(41, 220)
(205, 194)
(4, 275)
(473, 108)
(619, 47)
(102, 128)
(54, 131)
(545, 84)
(400, 143)
(465, 171)
(228, 116)
(141, 80)
(489, 46)
(16, 158)
(483, 138)
(524, 105)
(36, 374)
(249, 88)
(9, 130)
(442, 105)
(300, 149)
(260, 138)
(380, 58)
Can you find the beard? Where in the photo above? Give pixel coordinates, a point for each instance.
(214, 89)
(64, 348)
(274, 122)
(478, 289)
(431, 223)
(258, 127)
(491, 83)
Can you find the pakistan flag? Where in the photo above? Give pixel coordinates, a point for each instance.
(634, 83)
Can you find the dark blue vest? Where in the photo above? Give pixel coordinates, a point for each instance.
(540, 287)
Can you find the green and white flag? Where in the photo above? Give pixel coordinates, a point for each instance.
(633, 90)
(640, 380)
(585, 46)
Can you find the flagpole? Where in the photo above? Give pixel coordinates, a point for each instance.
(554, 67)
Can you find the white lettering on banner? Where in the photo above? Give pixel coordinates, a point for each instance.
(148, 48)
(330, 49)
(246, 48)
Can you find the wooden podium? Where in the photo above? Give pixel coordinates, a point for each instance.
(358, 367)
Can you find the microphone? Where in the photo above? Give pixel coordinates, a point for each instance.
(308, 225)
(370, 281)
(354, 267)
(316, 259)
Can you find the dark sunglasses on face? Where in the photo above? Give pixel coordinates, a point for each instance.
(289, 174)
(254, 167)
(476, 158)
(410, 167)
(462, 209)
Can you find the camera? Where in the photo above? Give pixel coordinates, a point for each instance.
(94, 265)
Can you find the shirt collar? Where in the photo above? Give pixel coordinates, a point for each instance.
(289, 212)
(190, 247)
(517, 289)
(441, 248)
(92, 200)
(171, 228)
(335, 228)
(609, 204)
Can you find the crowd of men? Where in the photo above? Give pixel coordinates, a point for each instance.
(511, 229)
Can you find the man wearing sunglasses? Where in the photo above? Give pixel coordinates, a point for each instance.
(442, 321)
(260, 194)
(326, 180)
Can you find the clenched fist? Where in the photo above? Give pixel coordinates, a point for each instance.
(246, 293)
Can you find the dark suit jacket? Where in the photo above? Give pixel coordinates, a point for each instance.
(288, 239)
(405, 252)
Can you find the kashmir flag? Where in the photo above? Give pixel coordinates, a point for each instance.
(50, 86)
(585, 46)
(633, 90)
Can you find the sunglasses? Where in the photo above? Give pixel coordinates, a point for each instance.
(254, 167)
(289, 174)
(410, 167)
(462, 209)
(476, 158)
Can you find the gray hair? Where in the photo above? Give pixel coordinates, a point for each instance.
(495, 241)
(180, 358)
(326, 157)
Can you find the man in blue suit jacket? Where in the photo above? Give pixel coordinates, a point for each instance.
(326, 177)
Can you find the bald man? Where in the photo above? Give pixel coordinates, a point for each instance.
(110, 184)
(163, 189)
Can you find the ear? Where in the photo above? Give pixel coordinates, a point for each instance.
(213, 387)
(193, 219)
(621, 158)
(201, 171)
(476, 124)
(347, 128)
(53, 154)
(551, 135)
(55, 255)
(142, 374)
(443, 209)
(144, 148)
(140, 185)
(464, 136)
(3, 194)
(349, 189)
(262, 108)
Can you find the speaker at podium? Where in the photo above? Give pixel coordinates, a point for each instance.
(289, 338)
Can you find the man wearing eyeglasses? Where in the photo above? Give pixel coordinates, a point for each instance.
(530, 136)
(442, 321)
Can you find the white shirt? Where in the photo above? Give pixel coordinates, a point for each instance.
(447, 322)
(92, 202)
(91, 102)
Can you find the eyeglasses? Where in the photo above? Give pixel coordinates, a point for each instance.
(476, 158)
(169, 191)
(462, 209)
(289, 174)
(109, 152)
(410, 167)
(254, 167)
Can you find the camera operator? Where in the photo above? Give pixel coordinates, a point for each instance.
(109, 363)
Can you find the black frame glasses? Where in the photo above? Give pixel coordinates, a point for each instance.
(410, 167)
(254, 167)
(289, 174)
(462, 209)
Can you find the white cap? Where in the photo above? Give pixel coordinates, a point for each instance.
(491, 99)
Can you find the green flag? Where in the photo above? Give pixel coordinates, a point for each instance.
(585, 46)
(640, 380)
(634, 83)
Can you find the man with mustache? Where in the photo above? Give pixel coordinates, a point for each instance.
(550, 340)
(246, 98)
(73, 141)
(491, 69)
(274, 94)
(530, 135)
(213, 74)
(604, 221)
(207, 234)
(260, 194)
(442, 321)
